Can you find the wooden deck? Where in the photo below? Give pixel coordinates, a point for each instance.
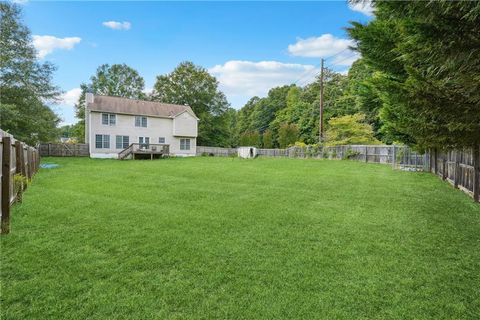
(145, 151)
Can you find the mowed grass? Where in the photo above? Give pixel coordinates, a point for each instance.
(222, 238)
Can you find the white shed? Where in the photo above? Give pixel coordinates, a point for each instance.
(247, 152)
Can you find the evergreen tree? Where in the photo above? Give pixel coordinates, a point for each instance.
(426, 59)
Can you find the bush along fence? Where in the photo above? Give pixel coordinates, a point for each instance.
(459, 167)
(64, 150)
(19, 163)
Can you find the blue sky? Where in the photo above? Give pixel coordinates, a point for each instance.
(249, 46)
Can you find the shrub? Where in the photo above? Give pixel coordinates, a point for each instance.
(350, 154)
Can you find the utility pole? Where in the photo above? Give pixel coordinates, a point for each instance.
(321, 104)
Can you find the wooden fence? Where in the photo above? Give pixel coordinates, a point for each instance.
(216, 151)
(401, 157)
(19, 163)
(460, 168)
(64, 150)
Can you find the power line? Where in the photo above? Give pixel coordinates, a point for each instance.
(325, 59)
(341, 60)
(304, 82)
(336, 54)
(305, 74)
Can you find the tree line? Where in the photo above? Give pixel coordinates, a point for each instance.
(417, 83)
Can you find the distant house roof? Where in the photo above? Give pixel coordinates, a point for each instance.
(137, 107)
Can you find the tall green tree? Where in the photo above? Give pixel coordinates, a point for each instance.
(267, 139)
(250, 139)
(118, 80)
(426, 57)
(260, 114)
(231, 119)
(25, 83)
(192, 85)
(288, 134)
(78, 130)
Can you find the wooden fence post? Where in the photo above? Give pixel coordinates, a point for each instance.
(444, 167)
(457, 170)
(366, 154)
(431, 155)
(394, 156)
(476, 173)
(24, 167)
(34, 161)
(435, 161)
(29, 163)
(18, 157)
(6, 180)
(18, 166)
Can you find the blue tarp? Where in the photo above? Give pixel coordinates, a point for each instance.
(48, 165)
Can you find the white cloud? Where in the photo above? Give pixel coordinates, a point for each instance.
(148, 91)
(364, 7)
(70, 98)
(116, 25)
(46, 44)
(345, 58)
(316, 47)
(324, 46)
(248, 78)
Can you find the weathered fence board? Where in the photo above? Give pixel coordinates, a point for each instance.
(460, 168)
(64, 150)
(17, 160)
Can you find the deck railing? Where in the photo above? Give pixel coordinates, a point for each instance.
(145, 148)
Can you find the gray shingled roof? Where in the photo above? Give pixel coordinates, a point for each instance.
(137, 107)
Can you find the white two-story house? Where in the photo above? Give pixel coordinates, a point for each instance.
(112, 124)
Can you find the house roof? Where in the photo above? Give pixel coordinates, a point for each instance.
(137, 107)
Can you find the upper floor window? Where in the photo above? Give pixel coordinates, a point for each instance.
(102, 141)
(161, 140)
(109, 119)
(140, 121)
(184, 144)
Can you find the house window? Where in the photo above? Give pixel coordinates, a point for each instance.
(140, 121)
(144, 142)
(184, 144)
(161, 140)
(102, 141)
(122, 142)
(109, 119)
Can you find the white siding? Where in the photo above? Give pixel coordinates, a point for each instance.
(185, 125)
(125, 126)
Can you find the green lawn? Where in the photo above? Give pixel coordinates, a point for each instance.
(223, 238)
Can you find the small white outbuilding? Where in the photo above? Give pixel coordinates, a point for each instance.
(247, 152)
